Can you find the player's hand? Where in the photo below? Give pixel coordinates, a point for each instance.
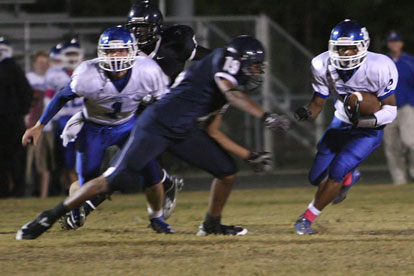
(352, 113)
(273, 121)
(32, 135)
(258, 160)
(302, 113)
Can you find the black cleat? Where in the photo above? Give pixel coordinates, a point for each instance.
(36, 227)
(172, 186)
(74, 219)
(220, 229)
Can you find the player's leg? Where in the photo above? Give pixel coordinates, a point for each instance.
(90, 152)
(395, 152)
(202, 151)
(406, 125)
(140, 143)
(360, 145)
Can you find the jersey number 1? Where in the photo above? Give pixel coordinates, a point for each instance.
(116, 108)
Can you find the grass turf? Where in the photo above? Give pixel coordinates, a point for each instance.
(370, 233)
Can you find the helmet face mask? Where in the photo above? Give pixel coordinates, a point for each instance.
(352, 36)
(145, 33)
(145, 21)
(117, 50)
(254, 74)
(72, 57)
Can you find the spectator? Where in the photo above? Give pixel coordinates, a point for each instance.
(36, 79)
(399, 136)
(15, 99)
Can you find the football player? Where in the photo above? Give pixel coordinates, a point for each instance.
(171, 48)
(345, 68)
(70, 55)
(171, 123)
(113, 85)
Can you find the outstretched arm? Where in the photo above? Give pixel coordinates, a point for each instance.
(58, 101)
(311, 110)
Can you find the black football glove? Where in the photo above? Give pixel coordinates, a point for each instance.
(258, 160)
(302, 113)
(353, 114)
(273, 121)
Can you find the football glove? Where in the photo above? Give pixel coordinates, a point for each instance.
(352, 113)
(273, 121)
(258, 160)
(302, 113)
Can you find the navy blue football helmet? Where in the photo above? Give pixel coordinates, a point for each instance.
(348, 33)
(112, 39)
(6, 51)
(72, 54)
(250, 54)
(145, 21)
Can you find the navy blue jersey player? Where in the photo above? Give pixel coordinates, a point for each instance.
(170, 47)
(171, 124)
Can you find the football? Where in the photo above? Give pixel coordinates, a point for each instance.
(369, 103)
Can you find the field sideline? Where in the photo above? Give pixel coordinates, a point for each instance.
(370, 233)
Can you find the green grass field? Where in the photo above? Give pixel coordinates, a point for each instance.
(370, 233)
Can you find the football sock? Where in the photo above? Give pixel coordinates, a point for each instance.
(59, 211)
(154, 214)
(311, 213)
(348, 179)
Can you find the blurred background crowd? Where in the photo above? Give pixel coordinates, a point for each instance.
(42, 41)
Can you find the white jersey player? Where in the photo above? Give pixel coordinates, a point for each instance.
(346, 68)
(112, 86)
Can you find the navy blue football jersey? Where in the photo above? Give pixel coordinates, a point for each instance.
(176, 46)
(196, 96)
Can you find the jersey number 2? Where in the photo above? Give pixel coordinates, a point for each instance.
(116, 108)
(231, 65)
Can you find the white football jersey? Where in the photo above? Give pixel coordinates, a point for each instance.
(104, 104)
(56, 79)
(36, 81)
(377, 75)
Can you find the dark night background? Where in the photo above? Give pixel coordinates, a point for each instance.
(309, 22)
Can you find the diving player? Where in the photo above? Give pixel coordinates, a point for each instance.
(113, 86)
(171, 48)
(171, 123)
(347, 67)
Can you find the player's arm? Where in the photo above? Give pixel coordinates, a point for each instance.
(58, 101)
(241, 101)
(311, 110)
(256, 159)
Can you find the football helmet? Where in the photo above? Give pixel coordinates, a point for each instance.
(55, 54)
(348, 33)
(112, 39)
(145, 21)
(72, 54)
(248, 57)
(6, 51)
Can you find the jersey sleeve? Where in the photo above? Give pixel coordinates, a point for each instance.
(387, 78)
(229, 68)
(76, 81)
(319, 81)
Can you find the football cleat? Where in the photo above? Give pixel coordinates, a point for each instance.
(160, 226)
(356, 175)
(172, 185)
(73, 219)
(220, 229)
(36, 227)
(303, 227)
